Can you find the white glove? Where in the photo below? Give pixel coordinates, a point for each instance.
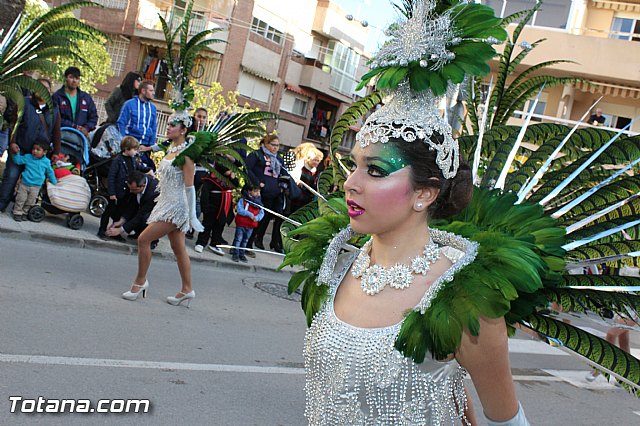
(194, 223)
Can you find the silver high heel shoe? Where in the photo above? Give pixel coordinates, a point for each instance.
(186, 297)
(129, 295)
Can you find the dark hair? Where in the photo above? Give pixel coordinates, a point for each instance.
(136, 177)
(74, 71)
(455, 194)
(42, 144)
(248, 187)
(200, 109)
(126, 87)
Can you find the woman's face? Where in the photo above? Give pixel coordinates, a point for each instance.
(379, 192)
(273, 146)
(136, 83)
(313, 162)
(175, 131)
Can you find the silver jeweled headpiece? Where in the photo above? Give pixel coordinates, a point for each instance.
(181, 116)
(410, 115)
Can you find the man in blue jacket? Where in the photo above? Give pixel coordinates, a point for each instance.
(139, 118)
(77, 108)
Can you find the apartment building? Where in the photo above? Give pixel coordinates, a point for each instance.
(603, 38)
(299, 58)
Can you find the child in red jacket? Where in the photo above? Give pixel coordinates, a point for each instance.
(247, 218)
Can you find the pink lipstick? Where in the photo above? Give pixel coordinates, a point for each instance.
(354, 209)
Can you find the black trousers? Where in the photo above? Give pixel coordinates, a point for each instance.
(113, 212)
(213, 221)
(276, 239)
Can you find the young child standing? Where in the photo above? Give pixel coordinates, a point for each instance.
(123, 164)
(247, 219)
(37, 168)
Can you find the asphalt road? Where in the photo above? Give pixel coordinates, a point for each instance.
(234, 358)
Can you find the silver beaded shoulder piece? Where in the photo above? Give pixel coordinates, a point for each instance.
(460, 251)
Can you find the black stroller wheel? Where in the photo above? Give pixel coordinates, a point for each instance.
(36, 214)
(98, 205)
(75, 221)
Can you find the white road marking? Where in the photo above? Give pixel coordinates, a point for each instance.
(577, 379)
(636, 412)
(124, 363)
(224, 368)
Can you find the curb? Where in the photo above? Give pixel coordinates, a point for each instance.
(125, 248)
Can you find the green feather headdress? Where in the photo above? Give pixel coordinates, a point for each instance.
(579, 213)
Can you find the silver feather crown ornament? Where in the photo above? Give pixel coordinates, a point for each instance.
(430, 52)
(412, 116)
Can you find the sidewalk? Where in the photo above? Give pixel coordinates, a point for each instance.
(53, 229)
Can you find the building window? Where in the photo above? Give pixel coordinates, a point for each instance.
(255, 88)
(99, 102)
(117, 47)
(266, 31)
(625, 29)
(540, 107)
(294, 104)
(552, 14)
(344, 64)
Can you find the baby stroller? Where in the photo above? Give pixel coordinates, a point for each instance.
(72, 194)
(105, 144)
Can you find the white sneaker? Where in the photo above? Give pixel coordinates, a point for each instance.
(198, 248)
(217, 250)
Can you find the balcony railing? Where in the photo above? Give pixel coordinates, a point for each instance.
(519, 115)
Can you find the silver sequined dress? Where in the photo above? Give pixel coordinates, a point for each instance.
(355, 376)
(171, 205)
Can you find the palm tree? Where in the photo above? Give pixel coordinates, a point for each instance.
(36, 47)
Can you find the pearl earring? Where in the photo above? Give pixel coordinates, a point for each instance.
(419, 205)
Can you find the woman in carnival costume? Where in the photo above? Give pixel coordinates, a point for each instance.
(395, 325)
(175, 211)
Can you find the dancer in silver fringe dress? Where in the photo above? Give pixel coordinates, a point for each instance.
(173, 215)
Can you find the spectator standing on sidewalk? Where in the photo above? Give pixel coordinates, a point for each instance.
(37, 168)
(38, 122)
(122, 93)
(249, 214)
(264, 168)
(200, 121)
(139, 118)
(77, 108)
(216, 199)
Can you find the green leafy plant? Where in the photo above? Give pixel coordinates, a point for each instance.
(37, 47)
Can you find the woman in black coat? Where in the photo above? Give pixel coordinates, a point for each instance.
(264, 167)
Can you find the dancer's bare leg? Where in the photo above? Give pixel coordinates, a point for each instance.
(176, 238)
(154, 231)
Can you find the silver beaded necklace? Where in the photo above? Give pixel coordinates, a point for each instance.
(374, 278)
(177, 148)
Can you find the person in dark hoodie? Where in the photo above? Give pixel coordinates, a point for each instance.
(122, 93)
(38, 123)
(77, 108)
